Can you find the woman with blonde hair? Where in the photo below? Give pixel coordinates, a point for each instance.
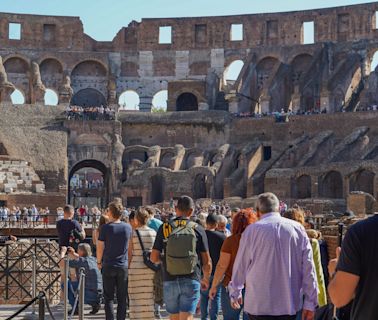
(141, 278)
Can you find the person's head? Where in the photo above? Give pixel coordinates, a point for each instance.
(185, 206)
(84, 250)
(234, 212)
(312, 234)
(132, 219)
(211, 222)
(69, 211)
(142, 216)
(242, 220)
(151, 211)
(103, 220)
(221, 222)
(295, 214)
(115, 210)
(267, 203)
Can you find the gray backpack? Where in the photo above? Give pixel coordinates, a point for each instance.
(180, 252)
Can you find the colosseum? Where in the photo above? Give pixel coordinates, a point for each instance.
(218, 138)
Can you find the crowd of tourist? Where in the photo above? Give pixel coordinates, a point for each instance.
(85, 184)
(89, 113)
(261, 263)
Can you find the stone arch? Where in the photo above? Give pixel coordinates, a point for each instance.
(374, 61)
(51, 97)
(129, 100)
(303, 185)
(299, 66)
(18, 71)
(88, 98)
(362, 180)
(51, 73)
(90, 68)
(92, 74)
(157, 186)
(187, 101)
(331, 185)
(103, 194)
(17, 97)
(166, 160)
(232, 71)
(200, 186)
(160, 100)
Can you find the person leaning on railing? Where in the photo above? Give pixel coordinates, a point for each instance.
(4, 239)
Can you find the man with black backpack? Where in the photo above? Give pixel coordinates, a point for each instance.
(184, 246)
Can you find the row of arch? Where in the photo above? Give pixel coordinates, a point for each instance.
(331, 184)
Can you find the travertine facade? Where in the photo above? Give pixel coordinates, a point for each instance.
(206, 153)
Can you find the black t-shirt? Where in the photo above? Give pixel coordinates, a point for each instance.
(116, 238)
(215, 239)
(65, 227)
(202, 246)
(359, 256)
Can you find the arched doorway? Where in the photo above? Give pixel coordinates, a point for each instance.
(129, 100)
(304, 187)
(17, 97)
(187, 102)
(362, 181)
(232, 72)
(331, 185)
(89, 184)
(88, 98)
(51, 98)
(160, 101)
(157, 189)
(199, 187)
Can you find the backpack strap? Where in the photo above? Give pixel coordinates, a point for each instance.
(140, 240)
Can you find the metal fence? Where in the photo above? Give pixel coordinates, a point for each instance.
(17, 285)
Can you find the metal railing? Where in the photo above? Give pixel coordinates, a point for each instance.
(41, 297)
(29, 267)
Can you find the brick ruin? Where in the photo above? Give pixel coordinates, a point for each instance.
(199, 147)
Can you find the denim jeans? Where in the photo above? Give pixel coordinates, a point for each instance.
(115, 281)
(230, 313)
(181, 295)
(272, 317)
(90, 297)
(214, 306)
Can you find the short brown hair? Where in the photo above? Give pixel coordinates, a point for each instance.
(115, 209)
(69, 209)
(295, 214)
(142, 216)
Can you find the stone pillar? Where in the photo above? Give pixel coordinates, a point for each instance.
(264, 104)
(233, 103)
(203, 106)
(346, 187)
(314, 186)
(325, 101)
(145, 104)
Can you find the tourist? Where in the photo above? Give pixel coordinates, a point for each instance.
(222, 225)
(153, 223)
(35, 215)
(176, 239)
(96, 231)
(4, 239)
(223, 272)
(282, 258)
(141, 302)
(69, 230)
(297, 214)
(112, 258)
(215, 239)
(93, 280)
(354, 271)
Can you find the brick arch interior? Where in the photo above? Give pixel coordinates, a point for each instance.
(331, 185)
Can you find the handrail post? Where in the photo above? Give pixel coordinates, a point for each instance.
(41, 306)
(81, 293)
(34, 278)
(65, 287)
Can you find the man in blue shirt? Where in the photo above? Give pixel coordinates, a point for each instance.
(112, 257)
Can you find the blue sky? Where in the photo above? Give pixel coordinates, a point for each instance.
(103, 18)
